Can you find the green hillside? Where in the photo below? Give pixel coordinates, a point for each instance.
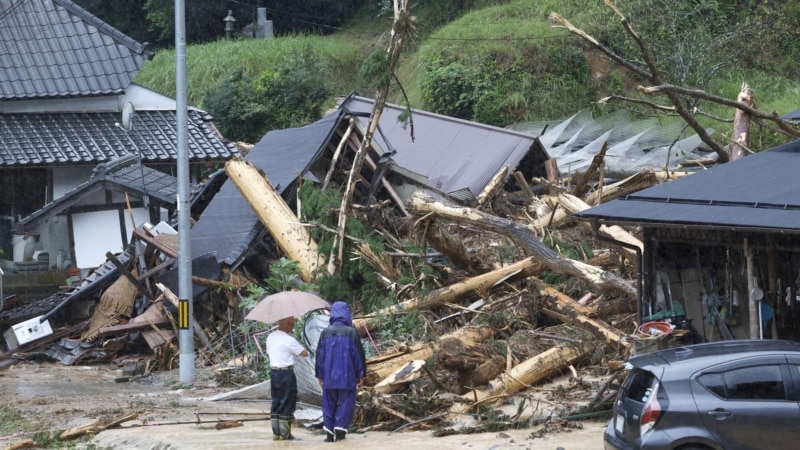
(501, 62)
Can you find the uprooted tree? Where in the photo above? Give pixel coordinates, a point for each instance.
(683, 101)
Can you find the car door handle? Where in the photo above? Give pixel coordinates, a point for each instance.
(720, 414)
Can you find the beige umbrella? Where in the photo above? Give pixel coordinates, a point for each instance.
(275, 307)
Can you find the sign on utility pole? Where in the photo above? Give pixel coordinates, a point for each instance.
(185, 307)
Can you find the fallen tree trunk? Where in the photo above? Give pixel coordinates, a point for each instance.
(524, 268)
(573, 204)
(527, 373)
(631, 184)
(468, 335)
(527, 239)
(290, 235)
(564, 308)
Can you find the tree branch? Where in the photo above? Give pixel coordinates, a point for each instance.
(652, 105)
(697, 93)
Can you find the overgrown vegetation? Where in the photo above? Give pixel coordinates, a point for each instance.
(500, 62)
(290, 94)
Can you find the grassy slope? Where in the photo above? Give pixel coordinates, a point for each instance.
(501, 32)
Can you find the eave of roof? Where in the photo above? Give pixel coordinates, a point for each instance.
(124, 175)
(758, 192)
(36, 140)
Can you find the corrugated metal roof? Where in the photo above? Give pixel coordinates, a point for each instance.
(90, 138)
(758, 191)
(456, 156)
(56, 49)
(228, 225)
(124, 175)
(633, 145)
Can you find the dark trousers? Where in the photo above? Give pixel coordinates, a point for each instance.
(338, 406)
(283, 388)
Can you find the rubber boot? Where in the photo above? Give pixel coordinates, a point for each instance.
(329, 436)
(291, 436)
(341, 434)
(276, 430)
(285, 432)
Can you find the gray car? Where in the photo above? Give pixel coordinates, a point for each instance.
(740, 394)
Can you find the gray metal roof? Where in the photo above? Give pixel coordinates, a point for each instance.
(759, 191)
(455, 156)
(56, 49)
(123, 175)
(228, 225)
(89, 138)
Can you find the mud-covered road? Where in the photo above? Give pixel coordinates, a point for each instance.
(53, 397)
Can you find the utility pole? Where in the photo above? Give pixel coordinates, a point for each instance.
(185, 307)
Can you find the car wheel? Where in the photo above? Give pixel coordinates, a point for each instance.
(693, 447)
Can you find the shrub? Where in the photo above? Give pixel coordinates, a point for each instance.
(289, 95)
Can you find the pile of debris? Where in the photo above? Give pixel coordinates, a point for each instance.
(506, 293)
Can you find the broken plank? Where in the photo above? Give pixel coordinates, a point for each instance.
(129, 327)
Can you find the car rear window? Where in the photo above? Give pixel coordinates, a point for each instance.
(639, 384)
(746, 383)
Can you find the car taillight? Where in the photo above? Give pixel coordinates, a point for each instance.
(652, 412)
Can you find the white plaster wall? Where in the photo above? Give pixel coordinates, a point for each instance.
(98, 232)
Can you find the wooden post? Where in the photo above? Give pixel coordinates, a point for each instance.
(753, 304)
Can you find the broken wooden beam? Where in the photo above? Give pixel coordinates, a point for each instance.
(130, 327)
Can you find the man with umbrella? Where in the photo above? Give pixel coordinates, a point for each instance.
(340, 366)
(282, 347)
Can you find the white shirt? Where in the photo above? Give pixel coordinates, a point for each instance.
(282, 348)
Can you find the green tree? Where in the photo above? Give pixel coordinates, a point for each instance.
(290, 95)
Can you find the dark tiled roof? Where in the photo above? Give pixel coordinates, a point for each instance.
(124, 175)
(56, 49)
(755, 192)
(91, 138)
(229, 226)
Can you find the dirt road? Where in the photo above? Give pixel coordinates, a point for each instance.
(56, 397)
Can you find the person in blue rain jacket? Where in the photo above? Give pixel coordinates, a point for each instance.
(340, 367)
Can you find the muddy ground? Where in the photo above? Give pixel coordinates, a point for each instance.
(56, 397)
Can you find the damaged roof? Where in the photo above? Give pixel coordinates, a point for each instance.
(228, 225)
(123, 175)
(56, 49)
(755, 192)
(48, 139)
(633, 145)
(453, 156)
